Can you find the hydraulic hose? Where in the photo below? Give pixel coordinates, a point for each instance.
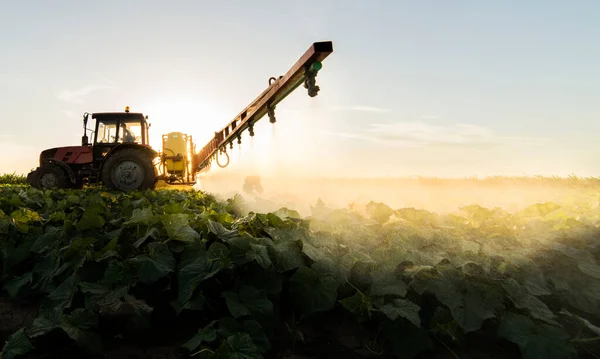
(226, 164)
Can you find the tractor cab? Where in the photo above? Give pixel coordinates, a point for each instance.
(114, 128)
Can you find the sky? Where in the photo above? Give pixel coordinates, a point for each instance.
(433, 88)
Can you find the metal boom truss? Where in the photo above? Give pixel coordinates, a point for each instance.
(304, 71)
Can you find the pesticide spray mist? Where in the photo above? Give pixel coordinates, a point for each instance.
(295, 162)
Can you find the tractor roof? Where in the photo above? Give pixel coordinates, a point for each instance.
(108, 116)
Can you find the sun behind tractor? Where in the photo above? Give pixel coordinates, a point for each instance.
(119, 156)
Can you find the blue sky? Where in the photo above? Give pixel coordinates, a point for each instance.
(435, 88)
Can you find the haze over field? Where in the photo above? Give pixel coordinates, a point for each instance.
(426, 88)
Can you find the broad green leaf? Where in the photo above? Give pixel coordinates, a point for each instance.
(257, 302)
(313, 292)
(90, 220)
(235, 305)
(79, 325)
(536, 340)
(158, 263)
(13, 286)
(46, 321)
(108, 251)
(379, 212)
(139, 216)
(402, 308)
(204, 335)
(470, 302)
(62, 296)
(535, 283)
(286, 255)
(314, 253)
(385, 282)
(4, 222)
(257, 333)
(23, 218)
(152, 232)
(49, 239)
(285, 213)
(18, 344)
(260, 254)
(221, 232)
(196, 271)
(241, 346)
(589, 268)
(359, 304)
(45, 270)
(178, 227)
(523, 300)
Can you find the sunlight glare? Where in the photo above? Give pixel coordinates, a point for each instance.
(186, 114)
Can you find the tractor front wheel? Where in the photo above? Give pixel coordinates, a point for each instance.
(51, 176)
(127, 170)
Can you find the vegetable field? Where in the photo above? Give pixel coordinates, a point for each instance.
(174, 274)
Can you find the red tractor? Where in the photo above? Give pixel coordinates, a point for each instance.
(120, 157)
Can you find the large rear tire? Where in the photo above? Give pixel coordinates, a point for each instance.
(51, 176)
(129, 169)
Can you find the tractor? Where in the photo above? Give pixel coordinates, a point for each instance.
(120, 157)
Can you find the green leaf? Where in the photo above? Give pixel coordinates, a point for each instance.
(17, 344)
(45, 270)
(23, 218)
(260, 254)
(90, 220)
(221, 232)
(385, 282)
(235, 305)
(379, 212)
(78, 326)
(358, 304)
(46, 321)
(256, 332)
(4, 222)
(402, 308)
(257, 302)
(535, 283)
(523, 300)
(158, 263)
(469, 302)
(49, 239)
(143, 216)
(109, 250)
(178, 227)
(249, 301)
(62, 296)
(152, 232)
(206, 334)
(13, 286)
(312, 252)
(312, 291)
(286, 256)
(241, 346)
(536, 340)
(194, 272)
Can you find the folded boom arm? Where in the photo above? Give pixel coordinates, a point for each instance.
(304, 71)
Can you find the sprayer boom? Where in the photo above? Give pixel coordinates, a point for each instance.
(304, 71)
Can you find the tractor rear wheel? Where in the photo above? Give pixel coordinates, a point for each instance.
(127, 170)
(51, 176)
